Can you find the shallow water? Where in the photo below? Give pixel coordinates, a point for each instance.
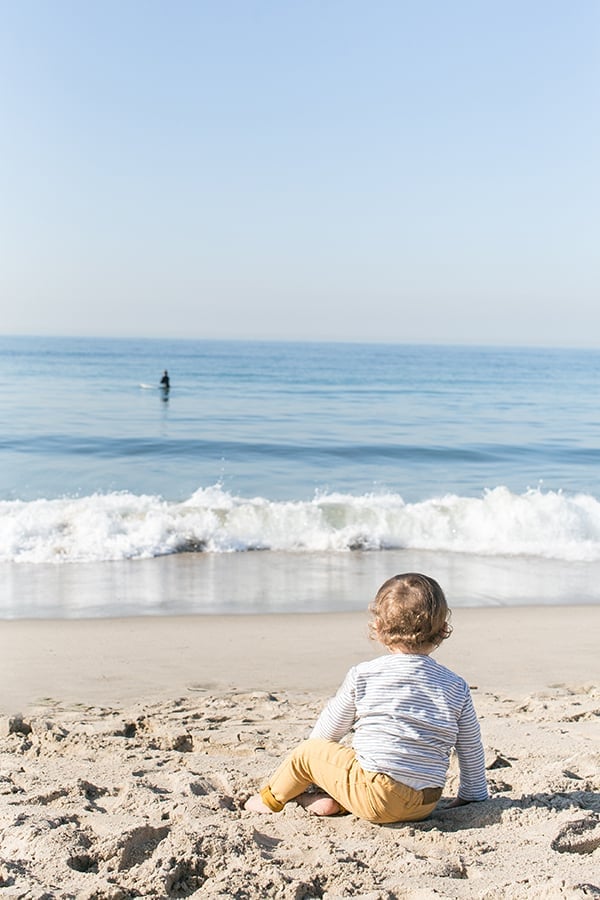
(281, 583)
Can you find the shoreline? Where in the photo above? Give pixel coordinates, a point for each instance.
(118, 661)
(281, 582)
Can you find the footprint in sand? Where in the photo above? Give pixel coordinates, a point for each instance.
(581, 836)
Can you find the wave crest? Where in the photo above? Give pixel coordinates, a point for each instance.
(127, 526)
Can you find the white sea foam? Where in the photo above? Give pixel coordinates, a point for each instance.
(116, 526)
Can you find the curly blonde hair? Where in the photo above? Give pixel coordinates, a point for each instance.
(410, 611)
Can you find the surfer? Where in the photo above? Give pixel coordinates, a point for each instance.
(165, 381)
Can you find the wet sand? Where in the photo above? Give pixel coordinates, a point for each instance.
(119, 661)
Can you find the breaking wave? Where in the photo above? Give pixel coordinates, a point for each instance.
(122, 525)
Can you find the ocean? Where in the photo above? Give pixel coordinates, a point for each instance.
(278, 477)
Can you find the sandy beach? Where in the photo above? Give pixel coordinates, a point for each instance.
(127, 747)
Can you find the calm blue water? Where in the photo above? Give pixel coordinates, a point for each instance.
(302, 448)
(283, 420)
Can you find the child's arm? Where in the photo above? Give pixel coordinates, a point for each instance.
(471, 759)
(337, 718)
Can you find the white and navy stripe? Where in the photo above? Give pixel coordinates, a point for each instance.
(408, 712)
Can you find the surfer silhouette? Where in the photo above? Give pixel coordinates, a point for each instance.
(165, 381)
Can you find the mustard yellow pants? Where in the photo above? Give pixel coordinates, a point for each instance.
(333, 768)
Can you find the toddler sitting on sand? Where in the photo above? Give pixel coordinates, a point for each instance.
(407, 713)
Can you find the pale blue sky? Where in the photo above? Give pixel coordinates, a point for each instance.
(401, 171)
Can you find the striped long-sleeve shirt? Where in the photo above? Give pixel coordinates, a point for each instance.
(408, 712)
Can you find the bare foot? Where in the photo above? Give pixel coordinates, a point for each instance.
(319, 804)
(255, 804)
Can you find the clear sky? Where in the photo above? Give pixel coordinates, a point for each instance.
(379, 170)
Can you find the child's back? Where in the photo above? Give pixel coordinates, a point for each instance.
(408, 712)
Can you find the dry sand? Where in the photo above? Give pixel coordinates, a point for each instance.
(128, 746)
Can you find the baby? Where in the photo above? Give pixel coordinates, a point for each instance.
(406, 712)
